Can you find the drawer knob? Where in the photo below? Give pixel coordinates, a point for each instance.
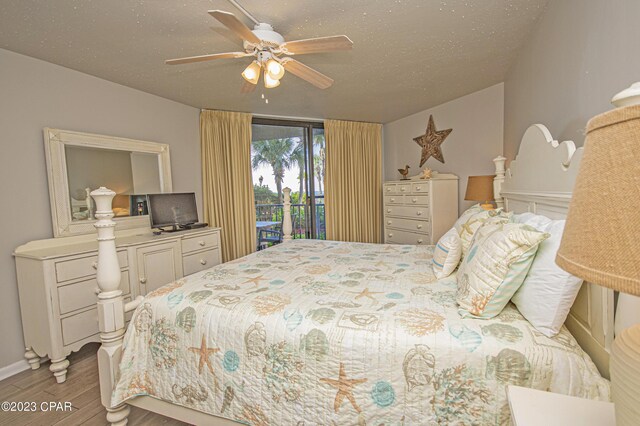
(388, 210)
(388, 189)
(414, 200)
(96, 290)
(393, 200)
(418, 188)
(143, 280)
(402, 189)
(203, 262)
(202, 243)
(388, 222)
(419, 213)
(390, 234)
(94, 265)
(420, 241)
(419, 226)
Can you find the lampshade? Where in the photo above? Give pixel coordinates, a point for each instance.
(479, 188)
(252, 72)
(269, 82)
(601, 242)
(274, 69)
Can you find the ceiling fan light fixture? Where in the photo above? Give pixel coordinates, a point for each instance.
(275, 69)
(269, 82)
(252, 72)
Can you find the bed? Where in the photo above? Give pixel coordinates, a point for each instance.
(316, 332)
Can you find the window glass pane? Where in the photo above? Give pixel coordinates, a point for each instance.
(319, 163)
(279, 159)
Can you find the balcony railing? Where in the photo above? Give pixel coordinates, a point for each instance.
(300, 219)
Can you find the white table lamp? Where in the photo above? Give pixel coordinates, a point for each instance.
(601, 242)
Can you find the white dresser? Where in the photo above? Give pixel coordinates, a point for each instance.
(58, 289)
(420, 211)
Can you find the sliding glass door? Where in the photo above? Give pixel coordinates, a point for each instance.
(288, 154)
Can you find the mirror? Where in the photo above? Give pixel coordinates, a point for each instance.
(78, 163)
(130, 174)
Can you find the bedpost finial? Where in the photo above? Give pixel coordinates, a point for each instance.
(498, 180)
(287, 226)
(108, 269)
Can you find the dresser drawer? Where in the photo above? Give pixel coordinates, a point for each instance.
(403, 188)
(418, 212)
(394, 236)
(83, 325)
(416, 200)
(389, 188)
(83, 267)
(420, 188)
(200, 261)
(394, 199)
(200, 242)
(82, 294)
(79, 326)
(412, 225)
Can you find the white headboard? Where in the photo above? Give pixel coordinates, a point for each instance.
(540, 180)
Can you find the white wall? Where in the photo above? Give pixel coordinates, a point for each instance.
(36, 94)
(477, 121)
(580, 54)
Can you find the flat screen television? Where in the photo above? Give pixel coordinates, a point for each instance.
(172, 209)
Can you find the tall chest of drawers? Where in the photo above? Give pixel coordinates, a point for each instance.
(420, 211)
(58, 288)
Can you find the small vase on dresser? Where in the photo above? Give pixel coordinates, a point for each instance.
(420, 211)
(58, 289)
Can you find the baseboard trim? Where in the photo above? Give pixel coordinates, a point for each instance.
(17, 367)
(13, 369)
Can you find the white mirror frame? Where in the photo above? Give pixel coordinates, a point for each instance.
(55, 141)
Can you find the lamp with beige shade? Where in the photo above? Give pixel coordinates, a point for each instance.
(480, 188)
(600, 242)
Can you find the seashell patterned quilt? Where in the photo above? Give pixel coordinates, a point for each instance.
(329, 333)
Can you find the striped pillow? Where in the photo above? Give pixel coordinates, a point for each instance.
(495, 267)
(446, 254)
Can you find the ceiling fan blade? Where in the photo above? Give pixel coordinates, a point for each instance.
(230, 21)
(320, 44)
(247, 87)
(202, 58)
(306, 73)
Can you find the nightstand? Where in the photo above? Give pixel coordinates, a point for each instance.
(531, 407)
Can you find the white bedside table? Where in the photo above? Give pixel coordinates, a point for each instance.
(530, 407)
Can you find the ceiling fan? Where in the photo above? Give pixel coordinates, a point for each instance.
(271, 52)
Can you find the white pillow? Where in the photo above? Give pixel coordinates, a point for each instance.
(547, 293)
(537, 221)
(447, 254)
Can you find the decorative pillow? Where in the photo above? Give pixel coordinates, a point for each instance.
(471, 221)
(548, 292)
(495, 267)
(467, 214)
(447, 254)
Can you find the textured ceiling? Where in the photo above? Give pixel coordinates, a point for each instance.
(408, 55)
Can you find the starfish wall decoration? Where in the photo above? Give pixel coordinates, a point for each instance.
(431, 141)
(345, 389)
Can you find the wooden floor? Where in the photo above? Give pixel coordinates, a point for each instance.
(81, 389)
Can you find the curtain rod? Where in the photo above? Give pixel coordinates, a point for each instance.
(284, 117)
(277, 117)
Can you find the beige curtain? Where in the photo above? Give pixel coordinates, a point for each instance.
(227, 187)
(353, 181)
